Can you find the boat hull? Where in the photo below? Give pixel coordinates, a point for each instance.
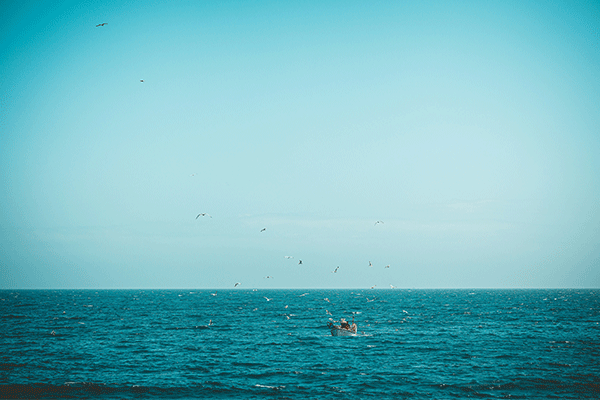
(343, 332)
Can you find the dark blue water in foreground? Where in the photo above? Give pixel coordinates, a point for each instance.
(417, 344)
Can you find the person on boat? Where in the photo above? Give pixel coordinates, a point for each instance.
(344, 324)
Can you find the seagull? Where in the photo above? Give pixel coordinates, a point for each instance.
(327, 300)
(141, 80)
(299, 262)
(392, 286)
(202, 215)
(378, 222)
(387, 266)
(370, 265)
(288, 257)
(303, 294)
(268, 276)
(373, 287)
(214, 294)
(236, 284)
(263, 229)
(335, 270)
(102, 24)
(268, 299)
(328, 312)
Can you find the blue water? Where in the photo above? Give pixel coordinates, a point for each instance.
(417, 344)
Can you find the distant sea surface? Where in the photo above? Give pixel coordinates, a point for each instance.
(245, 344)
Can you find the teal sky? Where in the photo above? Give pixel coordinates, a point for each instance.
(471, 129)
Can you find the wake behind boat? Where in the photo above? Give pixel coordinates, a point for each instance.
(343, 329)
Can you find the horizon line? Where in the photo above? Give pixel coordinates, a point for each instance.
(331, 288)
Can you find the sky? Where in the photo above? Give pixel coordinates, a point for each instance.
(471, 129)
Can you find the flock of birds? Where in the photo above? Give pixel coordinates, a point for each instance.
(291, 257)
(327, 312)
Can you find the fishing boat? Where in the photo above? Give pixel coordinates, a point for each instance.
(343, 329)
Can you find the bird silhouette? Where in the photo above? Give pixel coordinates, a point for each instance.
(263, 229)
(102, 24)
(202, 215)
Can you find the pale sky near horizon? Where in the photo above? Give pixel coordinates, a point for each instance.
(471, 129)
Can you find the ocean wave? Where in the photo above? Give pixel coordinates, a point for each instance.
(441, 353)
(11, 316)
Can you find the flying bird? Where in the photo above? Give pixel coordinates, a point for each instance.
(387, 266)
(288, 257)
(378, 222)
(299, 262)
(268, 276)
(370, 265)
(263, 229)
(236, 284)
(268, 299)
(141, 80)
(102, 24)
(335, 270)
(392, 286)
(202, 215)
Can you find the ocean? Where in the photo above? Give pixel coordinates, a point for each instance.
(257, 344)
